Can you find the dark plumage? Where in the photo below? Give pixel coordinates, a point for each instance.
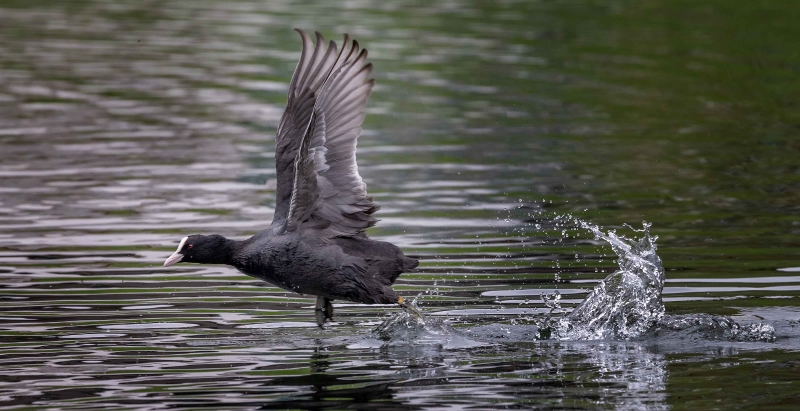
(316, 243)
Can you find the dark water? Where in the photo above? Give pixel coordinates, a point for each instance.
(125, 126)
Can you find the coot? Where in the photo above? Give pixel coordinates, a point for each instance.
(316, 243)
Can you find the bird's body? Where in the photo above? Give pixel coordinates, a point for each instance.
(316, 243)
(341, 268)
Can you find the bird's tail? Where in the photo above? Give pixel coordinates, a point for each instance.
(409, 263)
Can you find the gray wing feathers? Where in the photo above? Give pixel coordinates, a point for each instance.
(305, 196)
(317, 62)
(328, 192)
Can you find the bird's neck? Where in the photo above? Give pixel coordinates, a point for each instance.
(225, 253)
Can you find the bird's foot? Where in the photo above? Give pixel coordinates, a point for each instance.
(320, 317)
(410, 308)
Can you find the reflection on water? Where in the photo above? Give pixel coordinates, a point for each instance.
(124, 126)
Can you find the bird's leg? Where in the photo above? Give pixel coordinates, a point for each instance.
(328, 309)
(323, 310)
(319, 310)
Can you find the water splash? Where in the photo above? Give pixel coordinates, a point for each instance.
(552, 300)
(627, 304)
(409, 322)
(710, 327)
(410, 327)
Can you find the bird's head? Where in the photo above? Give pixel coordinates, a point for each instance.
(204, 249)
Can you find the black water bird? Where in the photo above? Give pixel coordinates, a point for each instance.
(316, 243)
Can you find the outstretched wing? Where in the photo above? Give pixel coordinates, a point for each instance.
(317, 63)
(328, 191)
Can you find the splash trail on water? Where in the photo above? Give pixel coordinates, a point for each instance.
(626, 305)
(411, 327)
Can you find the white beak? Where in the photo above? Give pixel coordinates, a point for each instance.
(176, 257)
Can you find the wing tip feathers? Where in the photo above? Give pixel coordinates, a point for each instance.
(351, 54)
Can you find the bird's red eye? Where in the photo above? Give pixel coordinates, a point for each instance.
(190, 246)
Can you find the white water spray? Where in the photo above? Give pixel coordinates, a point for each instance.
(627, 303)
